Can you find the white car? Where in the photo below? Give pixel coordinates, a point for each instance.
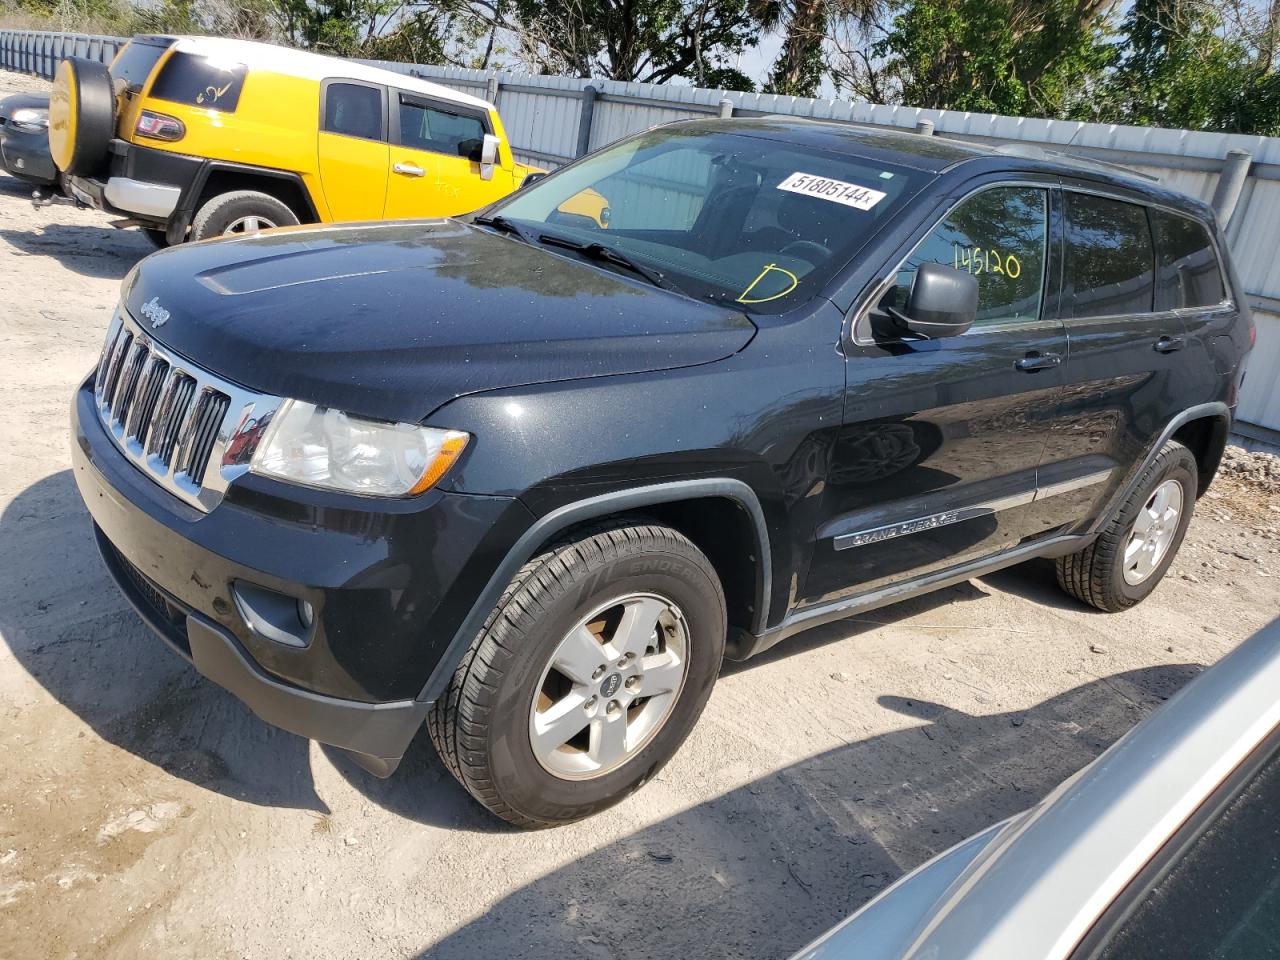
(1167, 846)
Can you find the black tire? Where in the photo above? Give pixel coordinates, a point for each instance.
(1095, 575)
(82, 116)
(222, 213)
(481, 725)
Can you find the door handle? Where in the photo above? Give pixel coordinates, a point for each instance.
(1169, 344)
(1038, 361)
(409, 170)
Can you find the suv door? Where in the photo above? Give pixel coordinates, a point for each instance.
(1124, 381)
(936, 460)
(353, 151)
(435, 160)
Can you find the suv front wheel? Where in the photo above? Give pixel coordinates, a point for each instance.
(1136, 548)
(586, 677)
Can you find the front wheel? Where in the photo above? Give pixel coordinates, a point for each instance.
(586, 677)
(240, 212)
(1135, 550)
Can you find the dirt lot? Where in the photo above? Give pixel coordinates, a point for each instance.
(144, 812)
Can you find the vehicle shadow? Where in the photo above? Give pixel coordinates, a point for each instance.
(856, 625)
(1037, 581)
(69, 627)
(13, 186)
(90, 251)
(764, 868)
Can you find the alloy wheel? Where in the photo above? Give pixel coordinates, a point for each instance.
(609, 687)
(1153, 532)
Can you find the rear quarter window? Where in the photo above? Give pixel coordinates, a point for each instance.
(200, 82)
(1187, 270)
(1110, 262)
(134, 63)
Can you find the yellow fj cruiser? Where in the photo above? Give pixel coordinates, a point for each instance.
(195, 137)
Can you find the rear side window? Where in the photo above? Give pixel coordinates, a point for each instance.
(1110, 263)
(998, 236)
(1187, 270)
(134, 63)
(427, 127)
(200, 82)
(353, 110)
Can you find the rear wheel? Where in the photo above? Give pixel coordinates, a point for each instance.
(1135, 550)
(238, 213)
(586, 677)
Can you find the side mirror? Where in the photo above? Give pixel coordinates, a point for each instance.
(488, 155)
(532, 178)
(943, 302)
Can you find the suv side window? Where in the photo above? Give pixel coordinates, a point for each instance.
(998, 236)
(1187, 269)
(424, 126)
(353, 110)
(200, 82)
(1110, 261)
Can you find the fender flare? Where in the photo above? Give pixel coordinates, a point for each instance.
(181, 217)
(1201, 411)
(572, 514)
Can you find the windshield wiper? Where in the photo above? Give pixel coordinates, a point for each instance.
(506, 226)
(598, 251)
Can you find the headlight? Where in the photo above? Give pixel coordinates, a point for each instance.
(30, 119)
(320, 447)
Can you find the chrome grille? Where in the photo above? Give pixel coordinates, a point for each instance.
(173, 420)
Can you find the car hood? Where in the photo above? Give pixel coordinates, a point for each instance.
(20, 101)
(391, 320)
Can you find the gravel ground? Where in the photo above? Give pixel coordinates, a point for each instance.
(144, 812)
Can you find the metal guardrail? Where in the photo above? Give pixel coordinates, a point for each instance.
(39, 53)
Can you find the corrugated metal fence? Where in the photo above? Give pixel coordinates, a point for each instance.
(552, 119)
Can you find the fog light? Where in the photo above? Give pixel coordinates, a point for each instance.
(306, 613)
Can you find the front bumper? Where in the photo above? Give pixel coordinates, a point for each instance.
(388, 589)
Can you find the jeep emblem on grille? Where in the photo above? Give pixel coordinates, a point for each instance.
(157, 314)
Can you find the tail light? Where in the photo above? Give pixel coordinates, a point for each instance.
(159, 126)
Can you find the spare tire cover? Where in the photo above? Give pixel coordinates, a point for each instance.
(82, 116)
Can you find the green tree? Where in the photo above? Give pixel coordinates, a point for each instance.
(1019, 57)
(806, 24)
(1195, 65)
(652, 41)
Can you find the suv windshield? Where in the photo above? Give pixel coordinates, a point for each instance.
(727, 217)
(133, 64)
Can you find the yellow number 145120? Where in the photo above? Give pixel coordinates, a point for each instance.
(978, 260)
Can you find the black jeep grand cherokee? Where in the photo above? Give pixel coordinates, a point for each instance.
(530, 476)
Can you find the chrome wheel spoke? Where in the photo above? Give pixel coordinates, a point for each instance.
(579, 655)
(1146, 517)
(1160, 501)
(662, 674)
(608, 739)
(635, 632)
(558, 724)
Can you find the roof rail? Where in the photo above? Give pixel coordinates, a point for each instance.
(1032, 151)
